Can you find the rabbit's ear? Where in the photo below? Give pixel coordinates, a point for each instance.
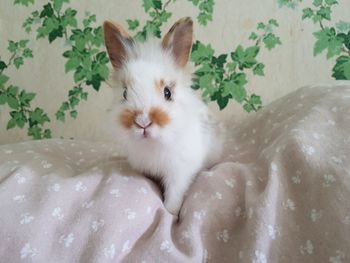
(179, 40)
(116, 40)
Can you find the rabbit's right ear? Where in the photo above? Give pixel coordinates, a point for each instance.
(179, 40)
(116, 40)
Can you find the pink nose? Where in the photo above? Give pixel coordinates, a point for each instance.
(143, 126)
(142, 121)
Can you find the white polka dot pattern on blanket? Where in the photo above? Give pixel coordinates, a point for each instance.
(280, 194)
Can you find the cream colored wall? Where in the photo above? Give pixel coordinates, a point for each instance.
(288, 67)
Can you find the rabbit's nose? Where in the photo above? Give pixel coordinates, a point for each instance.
(142, 121)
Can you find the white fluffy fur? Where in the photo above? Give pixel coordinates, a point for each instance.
(176, 152)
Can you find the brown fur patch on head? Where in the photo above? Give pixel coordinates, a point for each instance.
(159, 85)
(127, 118)
(158, 116)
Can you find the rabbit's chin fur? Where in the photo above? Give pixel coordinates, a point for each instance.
(176, 151)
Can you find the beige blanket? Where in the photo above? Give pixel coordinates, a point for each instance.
(281, 194)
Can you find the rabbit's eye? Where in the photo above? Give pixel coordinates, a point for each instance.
(125, 93)
(167, 93)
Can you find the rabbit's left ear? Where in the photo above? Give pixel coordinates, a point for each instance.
(179, 40)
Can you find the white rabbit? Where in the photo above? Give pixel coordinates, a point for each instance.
(165, 127)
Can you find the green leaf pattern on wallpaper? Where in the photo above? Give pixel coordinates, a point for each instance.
(333, 40)
(220, 77)
(19, 101)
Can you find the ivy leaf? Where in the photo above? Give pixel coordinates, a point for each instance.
(35, 132)
(95, 82)
(331, 2)
(271, 41)
(252, 103)
(71, 64)
(3, 98)
(245, 58)
(252, 52)
(253, 36)
(12, 102)
(57, 4)
(317, 2)
(236, 91)
(73, 114)
(206, 82)
(64, 106)
(68, 54)
(102, 57)
(20, 123)
(47, 11)
(157, 4)
(164, 16)
(2, 65)
(259, 69)
(12, 90)
(220, 60)
(25, 98)
(27, 53)
(23, 43)
(256, 100)
(69, 18)
(55, 34)
(307, 13)
(261, 26)
(38, 116)
(231, 66)
(19, 118)
(3, 79)
(203, 18)
(204, 69)
(148, 4)
(12, 46)
(49, 25)
(74, 101)
(289, 3)
(47, 134)
(133, 24)
(24, 2)
(79, 74)
(222, 102)
(84, 95)
(235, 87)
(152, 29)
(11, 124)
(343, 27)
(327, 39)
(60, 116)
(345, 38)
(273, 22)
(347, 41)
(206, 8)
(248, 107)
(18, 61)
(325, 12)
(201, 53)
(103, 71)
(341, 70)
(87, 21)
